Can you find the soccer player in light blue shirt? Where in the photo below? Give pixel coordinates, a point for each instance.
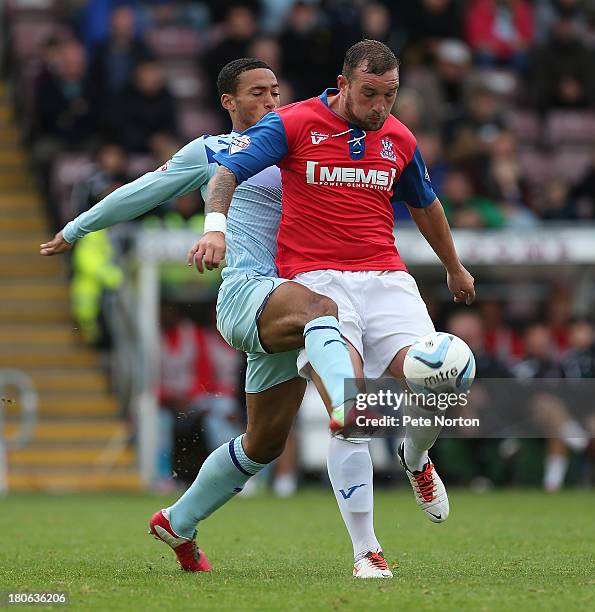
(267, 317)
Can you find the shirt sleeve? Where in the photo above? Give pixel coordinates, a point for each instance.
(186, 171)
(414, 186)
(259, 147)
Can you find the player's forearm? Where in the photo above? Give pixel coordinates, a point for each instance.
(433, 225)
(126, 203)
(221, 188)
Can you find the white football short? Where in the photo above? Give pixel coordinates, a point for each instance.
(379, 313)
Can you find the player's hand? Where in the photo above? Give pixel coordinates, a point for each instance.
(461, 285)
(208, 252)
(55, 246)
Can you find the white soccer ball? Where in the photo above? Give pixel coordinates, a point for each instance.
(439, 363)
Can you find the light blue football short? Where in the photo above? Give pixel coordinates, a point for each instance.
(240, 301)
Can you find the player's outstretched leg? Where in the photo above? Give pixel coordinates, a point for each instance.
(350, 470)
(428, 488)
(227, 469)
(221, 477)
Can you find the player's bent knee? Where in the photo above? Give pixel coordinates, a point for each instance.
(262, 449)
(322, 306)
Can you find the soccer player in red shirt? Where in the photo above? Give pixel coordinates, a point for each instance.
(342, 158)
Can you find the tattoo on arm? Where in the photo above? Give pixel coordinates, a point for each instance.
(221, 190)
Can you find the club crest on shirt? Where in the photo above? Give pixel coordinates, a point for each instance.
(238, 143)
(387, 151)
(317, 137)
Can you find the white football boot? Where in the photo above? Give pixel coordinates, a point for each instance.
(428, 488)
(372, 565)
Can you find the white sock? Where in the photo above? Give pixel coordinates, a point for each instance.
(418, 440)
(555, 472)
(350, 470)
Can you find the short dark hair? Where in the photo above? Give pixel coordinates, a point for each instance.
(378, 57)
(227, 81)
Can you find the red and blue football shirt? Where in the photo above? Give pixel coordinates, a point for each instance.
(337, 185)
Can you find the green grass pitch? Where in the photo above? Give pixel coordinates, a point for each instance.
(515, 550)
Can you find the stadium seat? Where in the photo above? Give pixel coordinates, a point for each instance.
(14, 8)
(570, 127)
(174, 41)
(571, 162)
(536, 164)
(525, 125)
(27, 36)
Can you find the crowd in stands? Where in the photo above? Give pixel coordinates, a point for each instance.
(499, 93)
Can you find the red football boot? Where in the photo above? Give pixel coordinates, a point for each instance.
(190, 557)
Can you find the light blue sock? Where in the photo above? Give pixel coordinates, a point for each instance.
(328, 354)
(221, 477)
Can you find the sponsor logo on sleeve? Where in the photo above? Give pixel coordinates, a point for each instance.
(164, 167)
(426, 174)
(238, 143)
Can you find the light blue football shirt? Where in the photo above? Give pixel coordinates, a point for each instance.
(253, 218)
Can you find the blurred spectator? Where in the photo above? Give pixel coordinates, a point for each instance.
(558, 313)
(583, 194)
(505, 179)
(579, 361)
(464, 208)
(500, 32)
(376, 24)
(468, 326)
(114, 60)
(409, 109)
(484, 454)
(185, 375)
(62, 112)
(237, 34)
(469, 136)
(548, 11)
(148, 109)
(443, 84)
(221, 413)
(562, 72)
(500, 339)
(268, 50)
(287, 95)
(430, 145)
(51, 57)
(306, 46)
(344, 21)
(274, 14)
(62, 102)
(556, 203)
(106, 174)
(540, 360)
(550, 411)
(429, 22)
(505, 182)
(95, 274)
